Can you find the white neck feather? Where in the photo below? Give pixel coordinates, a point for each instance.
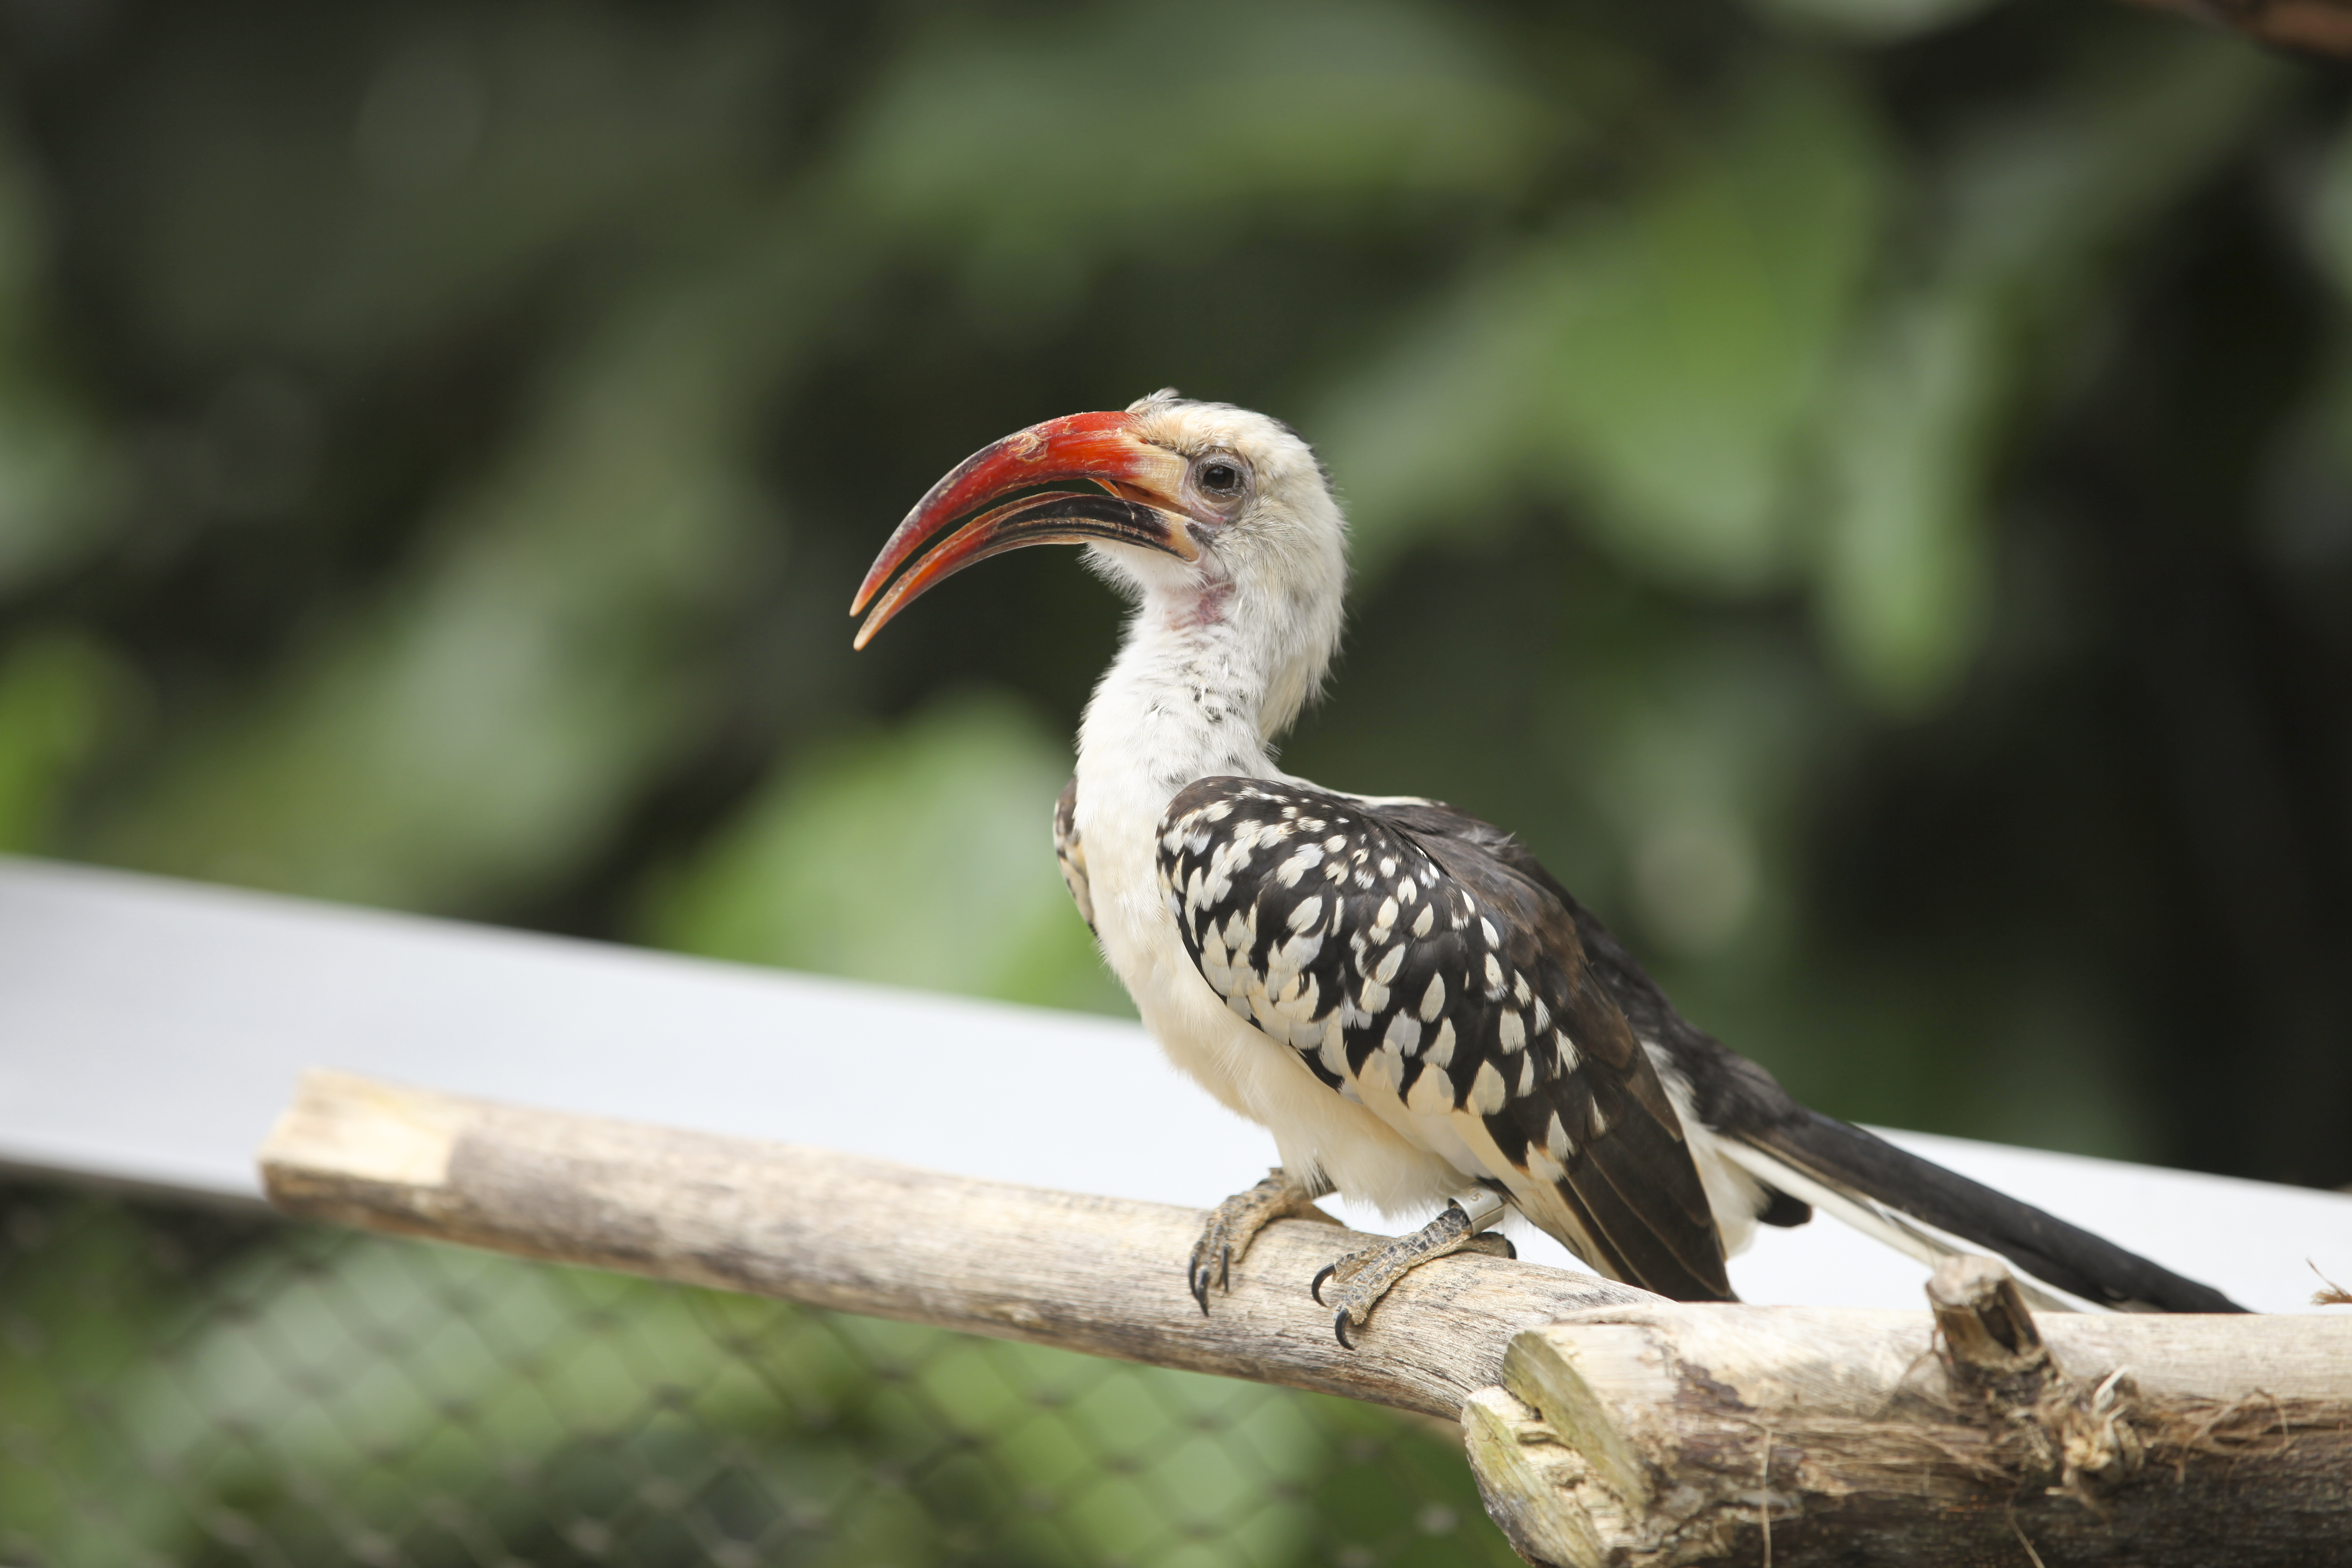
(1204, 685)
(1218, 660)
(1185, 700)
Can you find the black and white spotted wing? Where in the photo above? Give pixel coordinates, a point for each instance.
(1414, 959)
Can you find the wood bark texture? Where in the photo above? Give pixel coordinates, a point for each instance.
(1105, 1275)
(1606, 1425)
(1668, 1434)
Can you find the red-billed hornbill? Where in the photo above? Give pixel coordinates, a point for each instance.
(1410, 1004)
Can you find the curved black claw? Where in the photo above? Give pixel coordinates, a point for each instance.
(1358, 1281)
(1235, 1223)
(1200, 1276)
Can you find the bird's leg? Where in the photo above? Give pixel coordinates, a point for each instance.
(1234, 1224)
(1361, 1279)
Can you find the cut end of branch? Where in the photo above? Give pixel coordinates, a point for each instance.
(1988, 1334)
(360, 1130)
(2045, 1425)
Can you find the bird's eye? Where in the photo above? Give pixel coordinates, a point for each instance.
(1219, 476)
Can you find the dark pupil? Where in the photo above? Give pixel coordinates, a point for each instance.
(1219, 476)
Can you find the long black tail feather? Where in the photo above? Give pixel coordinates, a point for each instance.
(1857, 1163)
(1742, 1104)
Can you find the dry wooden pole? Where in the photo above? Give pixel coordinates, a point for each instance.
(1100, 1274)
(1671, 1434)
(1606, 1425)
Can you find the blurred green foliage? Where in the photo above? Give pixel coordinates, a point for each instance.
(1862, 486)
(812, 874)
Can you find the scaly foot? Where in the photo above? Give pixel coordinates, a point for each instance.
(1234, 1224)
(1361, 1279)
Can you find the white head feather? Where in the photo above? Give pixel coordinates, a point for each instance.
(1270, 587)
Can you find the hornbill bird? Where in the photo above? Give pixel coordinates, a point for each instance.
(1418, 1012)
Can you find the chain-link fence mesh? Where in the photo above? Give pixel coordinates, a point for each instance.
(180, 1385)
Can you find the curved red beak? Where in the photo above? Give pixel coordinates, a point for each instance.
(1137, 504)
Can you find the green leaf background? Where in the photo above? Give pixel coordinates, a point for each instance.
(1863, 487)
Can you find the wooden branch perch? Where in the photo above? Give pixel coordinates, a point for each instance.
(1606, 1425)
(1100, 1275)
(1672, 1434)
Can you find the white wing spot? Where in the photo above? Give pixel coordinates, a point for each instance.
(1298, 999)
(1556, 1139)
(1433, 1001)
(1404, 1034)
(1486, 1091)
(1294, 955)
